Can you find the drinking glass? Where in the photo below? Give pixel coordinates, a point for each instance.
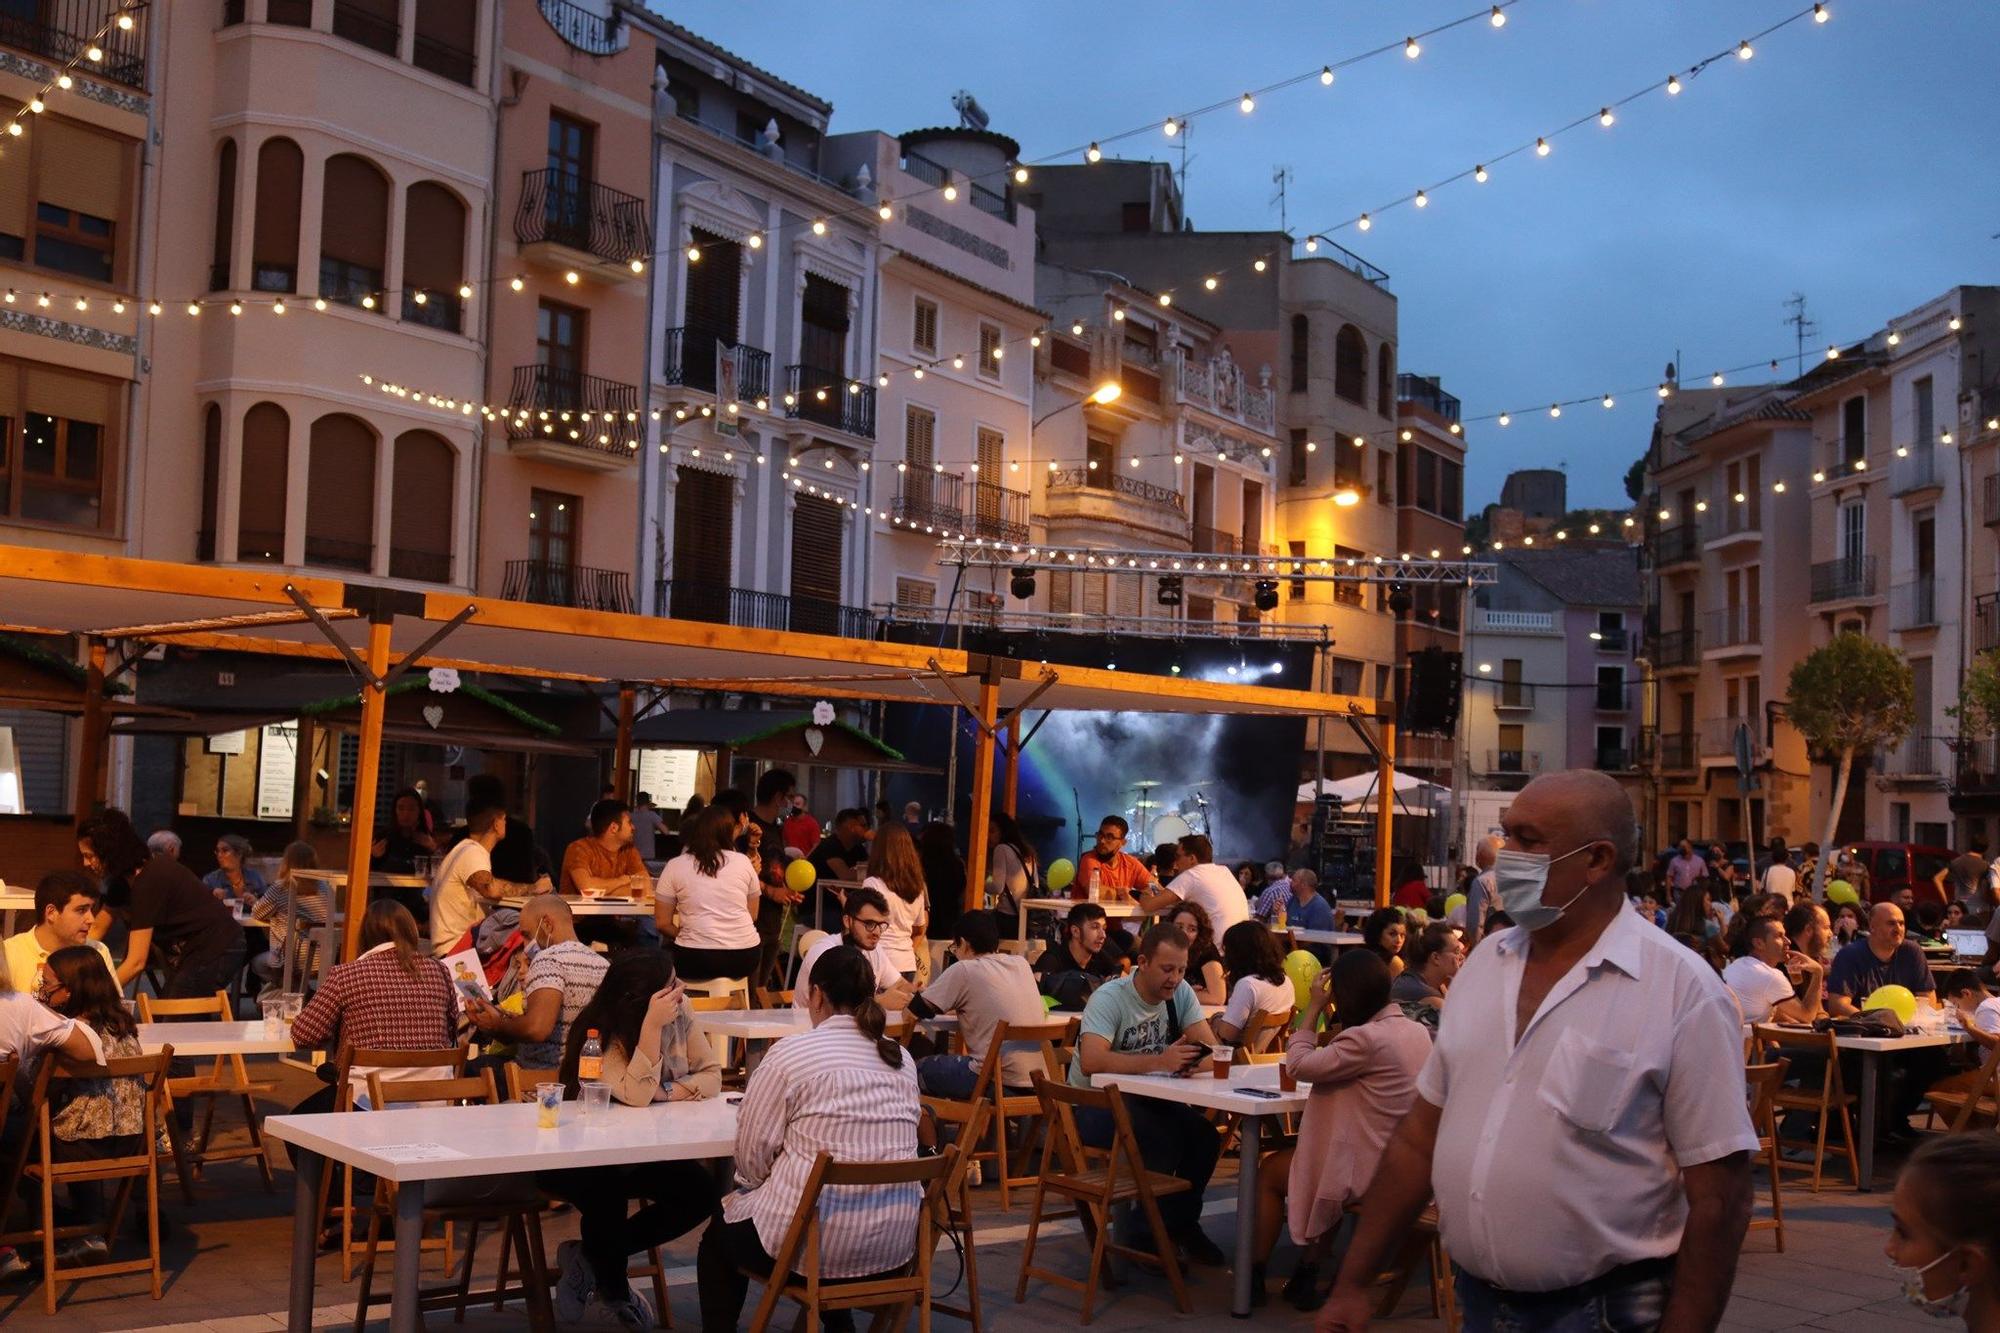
(548, 1103)
(275, 1023)
(1223, 1056)
(596, 1098)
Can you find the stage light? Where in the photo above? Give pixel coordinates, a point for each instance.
(1266, 595)
(1022, 585)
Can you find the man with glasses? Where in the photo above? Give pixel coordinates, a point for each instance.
(862, 918)
(1111, 870)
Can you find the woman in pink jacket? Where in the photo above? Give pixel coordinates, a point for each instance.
(1363, 1081)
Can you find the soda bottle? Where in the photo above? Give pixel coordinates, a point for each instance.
(590, 1064)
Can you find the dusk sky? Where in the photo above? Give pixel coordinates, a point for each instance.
(1854, 161)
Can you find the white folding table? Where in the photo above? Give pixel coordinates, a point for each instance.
(214, 1038)
(15, 900)
(416, 1145)
(580, 906)
(1210, 1093)
(1871, 1051)
(1339, 939)
(1117, 911)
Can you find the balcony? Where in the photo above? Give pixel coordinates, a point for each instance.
(1514, 622)
(1077, 493)
(1676, 752)
(1512, 761)
(1319, 247)
(590, 32)
(59, 31)
(1675, 649)
(928, 499)
(363, 26)
(1975, 768)
(1735, 627)
(559, 415)
(569, 221)
(1718, 738)
(1678, 545)
(1511, 696)
(998, 513)
(579, 586)
(1426, 392)
(1913, 605)
(828, 398)
(692, 362)
(1730, 522)
(1212, 541)
(1614, 761)
(1847, 579)
(1920, 756)
(714, 604)
(1915, 471)
(1986, 622)
(1220, 386)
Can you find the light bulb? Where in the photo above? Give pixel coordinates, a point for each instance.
(1819, 14)
(1954, 323)
(1673, 85)
(319, 303)
(1326, 76)
(421, 298)
(1605, 118)
(1555, 409)
(1020, 175)
(37, 106)
(1499, 20)
(1258, 265)
(1505, 419)
(14, 128)
(518, 283)
(124, 23)
(694, 254)
(367, 303)
(1833, 353)
(1246, 104)
(194, 307)
(94, 53)
(1818, 477)
(1541, 147)
(756, 241)
(819, 226)
(1171, 128)
(1743, 51)
(1119, 313)
(277, 307)
(1410, 48)
(1609, 401)
(465, 291)
(950, 193)
(1209, 282)
(152, 309)
(235, 307)
(1422, 200)
(1479, 174)
(1076, 329)
(1363, 222)
(572, 277)
(82, 304)
(958, 363)
(1716, 379)
(1166, 298)
(1664, 391)
(65, 82)
(1093, 153)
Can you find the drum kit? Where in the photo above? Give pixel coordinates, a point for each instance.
(1154, 825)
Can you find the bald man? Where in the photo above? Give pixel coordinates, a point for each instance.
(563, 975)
(1882, 957)
(1480, 899)
(1581, 1119)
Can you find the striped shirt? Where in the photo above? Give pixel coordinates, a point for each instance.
(573, 968)
(828, 1091)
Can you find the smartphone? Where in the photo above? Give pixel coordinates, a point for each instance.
(470, 989)
(1265, 1093)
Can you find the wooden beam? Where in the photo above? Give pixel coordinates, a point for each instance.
(1385, 805)
(95, 737)
(621, 755)
(982, 792)
(361, 823)
(1011, 796)
(302, 778)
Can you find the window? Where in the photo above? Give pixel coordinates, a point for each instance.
(559, 345)
(1297, 550)
(819, 531)
(55, 432)
(1853, 430)
(1511, 757)
(79, 193)
(1924, 410)
(1451, 490)
(1301, 353)
(553, 522)
(1346, 676)
(274, 248)
(73, 242)
(420, 508)
(1253, 517)
(1611, 756)
(989, 351)
(1385, 474)
(1350, 462)
(1385, 381)
(1102, 464)
(1611, 689)
(370, 23)
(1345, 592)
(1135, 215)
(211, 478)
(1427, 480)
(572, 151)
(1853, 534)
(924, 326)
(263, 484)
(1512, 693)
(704, 544)
(340, 493)
(916, 593)
(225, 218)
(433, 256)
(1297, 460)
(919, 438)
(354, 232)
(446, 33)
(714, 307)
(1350, 364)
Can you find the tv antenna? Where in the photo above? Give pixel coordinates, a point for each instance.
(1804, 326)
(1282, 178)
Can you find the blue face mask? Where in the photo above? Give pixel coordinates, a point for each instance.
(1711, 928)
(1520, 877)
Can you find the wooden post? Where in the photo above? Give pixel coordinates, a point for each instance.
(982, 792)
(621, 771)
(95, 737)
(1011, 797)
(303, 785)
(361, 826)
(1385, 806)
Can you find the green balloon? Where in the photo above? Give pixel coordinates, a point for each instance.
(1840, 891)
(1062, 873)
(1301, 967)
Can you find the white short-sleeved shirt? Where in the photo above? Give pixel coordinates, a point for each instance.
(1758, 986)
(886, 974)
(1254, 995)
(28, 1027)
(1558, 1156)
(1987, 1016)
(1217, 891)
(899, 936)
(455, 907)
(1781, 879)
(717, 911)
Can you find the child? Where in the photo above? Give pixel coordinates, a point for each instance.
(1978, 1008)
(93, 1118)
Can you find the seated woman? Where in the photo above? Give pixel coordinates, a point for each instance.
(1204, 965)
(394, 997)
(652, 1053)
(96, 1118)
(291, 899)
(843, 1089)
(1385, 933)
(1363, 1081)
(234, 877)
(1258, 984)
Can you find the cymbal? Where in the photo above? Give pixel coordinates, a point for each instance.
(1146, 805)
(1143, 783)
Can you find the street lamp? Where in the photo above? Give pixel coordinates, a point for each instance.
(1107, 392)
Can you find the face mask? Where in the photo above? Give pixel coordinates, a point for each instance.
(1942, 1307)
(1520, 877)
(1711, 928)
(535, 946)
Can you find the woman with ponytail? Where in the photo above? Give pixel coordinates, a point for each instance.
(843, 1089)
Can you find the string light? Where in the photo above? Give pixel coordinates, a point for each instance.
(1479, 174)
(1541, 147)
(1326, 76)
(1246, 104)
(819, 226)
(1410, 48)
(1363, 222)
(1093, 154)
(1743, 51)
(1673, 85)
(1499, 19)
(1171, 128)
(1422, 200)
(1605, 118)
(1819, 14)
(950, 193)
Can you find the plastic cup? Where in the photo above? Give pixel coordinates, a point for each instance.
(1286, 1082)
(275, 1024)
(596, 1098)
(548, 1103)
(292, 1003)
(1223, 1058)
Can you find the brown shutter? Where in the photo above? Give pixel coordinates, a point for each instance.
(80, 168)
(14, 189)
(225, 212)
(354, 220)
(340, 492)
(420, 508)
(433, 239)
(714, 290)
(274, 253)
(817, 531)
(260, 518)
(73, 396)
(704, 529)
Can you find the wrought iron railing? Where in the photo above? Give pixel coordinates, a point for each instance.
(1511, 696)
(1424, 391)
(1675, 545)
(1611, 640)
(1986, 622)
(338, 552)
(926, 498)
(829, 398)
(555, 403)
(550, 584)
(444, 60)
(586, 30)
(61, 31)
(1921, 755)
(932, 173)
(364, 27)
(1676, 751)
(690, 361)
(1614, 761)
(717, 604)
(1513, 761)
(998, 513)
(1735, 627)
(1000, 203)
(1675, 648)
(563, 208)
(1913, 605)
(1849, 577)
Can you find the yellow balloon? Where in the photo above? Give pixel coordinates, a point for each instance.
(1896, 999)
(1301, 967)
(1453, 903)
(1062, 873)
(1840, 891)
(800, 875)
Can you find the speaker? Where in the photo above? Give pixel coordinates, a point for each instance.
(1170, 590)
(1435, 686)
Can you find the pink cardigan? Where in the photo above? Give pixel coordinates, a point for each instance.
(1363, 1081)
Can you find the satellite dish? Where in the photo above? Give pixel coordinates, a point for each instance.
(971, 115)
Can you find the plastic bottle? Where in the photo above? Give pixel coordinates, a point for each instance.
(590, 1063)
(1282, 914)
(1096, 884)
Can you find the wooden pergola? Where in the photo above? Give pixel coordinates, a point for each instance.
(124, 605)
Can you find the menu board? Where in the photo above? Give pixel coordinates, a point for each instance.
(277, 769)
(668, 776)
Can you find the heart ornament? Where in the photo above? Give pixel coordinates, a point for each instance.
(434, 715)
(814, 739)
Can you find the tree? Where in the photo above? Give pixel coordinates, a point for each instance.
(1635, 479)
(1977, 711)
(1848, 695)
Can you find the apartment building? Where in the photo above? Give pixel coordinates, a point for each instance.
(1430, 523)
(1728, 480)
(1550, 678)
(1975, 776)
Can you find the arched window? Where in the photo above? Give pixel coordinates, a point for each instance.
(354, 231)
(340, 493)
(211, 479)
(433, 256)
(1350, 365)
(274, 250)
(1301, 352)
(420, 508)
(1385, 381)
(225, 216)
(260, 509)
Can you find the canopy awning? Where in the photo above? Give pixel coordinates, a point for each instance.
(777, 735)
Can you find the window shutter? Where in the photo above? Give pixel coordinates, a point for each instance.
(1060, 593)
(79, 168)
(916, 593)
(989, 343)
(354, 220)
(260, 521)
(225, 209)
(704, 529)
(433, 239)
(714, 311)
(923, 336)
(13, 187)
(280, 177)
(1093, 594)
(920, 438)
(817, 531)
(72, 396)
(340, 492)
(420, 508)
(449, 23)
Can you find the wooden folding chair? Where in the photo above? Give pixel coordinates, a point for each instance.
(515, 1207)
(955, 1202)
(1969, 1096)
(709, 1004)
(1762, 1082)
(48, 1170)
(795, 1267)
(1265, 1032)
(773, 999)
(1094, 1190)
(345, 1061)
(226, 1077)
(1054, 1039)
(1828, 1103)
